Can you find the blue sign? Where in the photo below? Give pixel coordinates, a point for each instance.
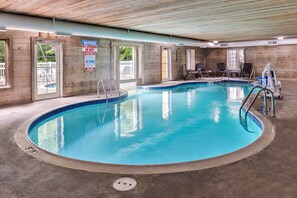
(89, 42)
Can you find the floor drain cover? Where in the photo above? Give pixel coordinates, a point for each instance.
(124, 184)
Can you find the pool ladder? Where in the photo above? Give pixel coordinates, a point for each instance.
(243, 120)
(112, 82)
(107, 110)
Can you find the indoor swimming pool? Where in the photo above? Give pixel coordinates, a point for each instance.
(166, 126)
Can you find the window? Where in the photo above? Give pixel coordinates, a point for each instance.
(127, 63)
(235, 58)
(191, 59)
(3, 64)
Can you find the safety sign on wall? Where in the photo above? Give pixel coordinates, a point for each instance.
(89, 50)
(90, 61)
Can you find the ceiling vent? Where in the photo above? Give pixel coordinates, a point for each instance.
(224, 44)
(272, 43)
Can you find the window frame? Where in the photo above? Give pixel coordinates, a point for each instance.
(192, 67)
(139, 61)
(8, 61)
(169, 63)
(236, 56)
(134, 59)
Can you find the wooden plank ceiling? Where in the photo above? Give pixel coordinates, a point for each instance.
(224, 20)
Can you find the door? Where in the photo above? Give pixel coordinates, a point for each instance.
(166, 64)
(47, 81)
(191, 59)
(125, 66)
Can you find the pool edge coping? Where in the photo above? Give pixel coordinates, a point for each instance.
(267, 136)
(166, 86)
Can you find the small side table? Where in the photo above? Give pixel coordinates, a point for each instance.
(233, 73)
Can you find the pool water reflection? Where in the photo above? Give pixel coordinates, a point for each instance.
(182, 124)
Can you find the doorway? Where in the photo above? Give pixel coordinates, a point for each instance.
(166, 64)
(190, 61)
(47, 70)
(127, 63)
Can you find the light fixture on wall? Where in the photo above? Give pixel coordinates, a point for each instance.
(65, 34)
(280, 38)
(2, 29)
(211, 44)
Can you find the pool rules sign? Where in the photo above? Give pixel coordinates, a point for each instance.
(89, 50)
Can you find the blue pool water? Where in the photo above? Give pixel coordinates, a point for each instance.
(185, 123)
(52, 85)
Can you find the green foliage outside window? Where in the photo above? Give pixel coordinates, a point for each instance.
(46, 53)
(126, 53)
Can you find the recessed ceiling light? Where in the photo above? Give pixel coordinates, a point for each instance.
(280, 38)
(215, 42)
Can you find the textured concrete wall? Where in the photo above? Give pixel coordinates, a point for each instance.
(20, 89)
(75, 79)
(282, 58)
(214, 56)
(152, 63)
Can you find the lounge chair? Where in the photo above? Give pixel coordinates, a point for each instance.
(246, 69)
(201, 70)
(190, 71)
(221, 69)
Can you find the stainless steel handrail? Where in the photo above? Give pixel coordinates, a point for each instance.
(253, 73)
(254, 99)
(98, 89)
(116, 86)
(265, 102)
(246, 98)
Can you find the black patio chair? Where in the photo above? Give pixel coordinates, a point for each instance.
(246, 69)
(221, 69)
(202, 70)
